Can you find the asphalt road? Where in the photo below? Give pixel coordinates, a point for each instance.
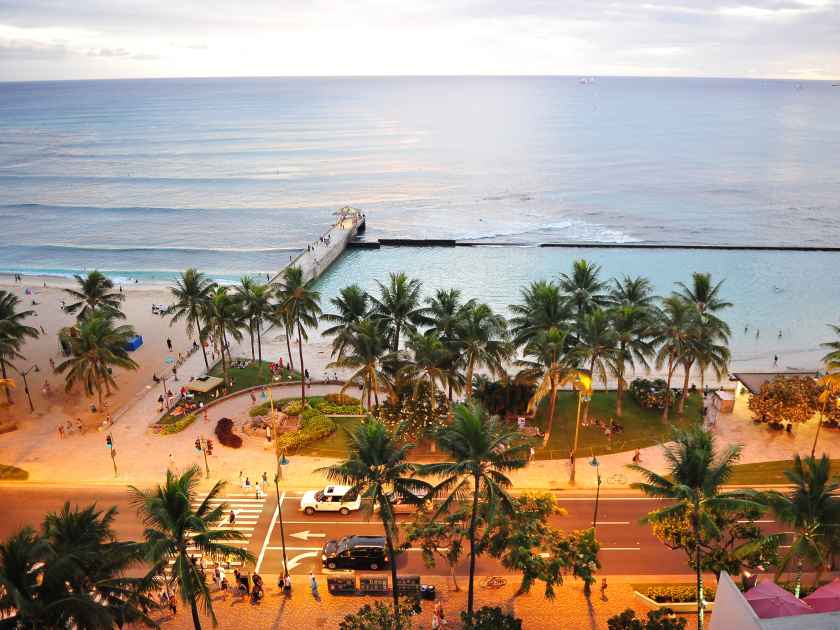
(627, 547)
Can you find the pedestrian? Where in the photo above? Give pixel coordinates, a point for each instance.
(169, 344)
(265, 478)
(306, 374)
(232, 518)
(746, 328)
(175, 372)
(531, 453)
(109, 420)
(171, 460)
(287, 584)
(313, 586)
(247, 483)
(253, 398)
(604, 589)
(241, 479)
(780, 333)
(268, 433)
(757, 333)
(52, 364)
(637, 457)
(775, 360)
(60, 432)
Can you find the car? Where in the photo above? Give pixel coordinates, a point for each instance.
(330, 499)
(403, 505)
(355, 552)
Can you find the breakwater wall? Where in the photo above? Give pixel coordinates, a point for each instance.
(397, 242)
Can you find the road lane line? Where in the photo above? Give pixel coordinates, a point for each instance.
(621, 548)
(613, 523)
(274, 516)
(749, 521)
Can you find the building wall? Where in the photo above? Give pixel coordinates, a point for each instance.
(731, 609)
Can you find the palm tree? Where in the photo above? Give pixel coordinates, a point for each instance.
(696, 473)
(541, 308)
(375, 468)
(94, 293)
(705, 296)
(812, 511)
(548, 370)
(445, 311)
(583, 290)
(255, 301)
(428, 365)
(173, 529)
(192, 292)
(832, 357)
(671, 333)
(632, 330)
(365, 343)
(13, 333)
(830, 384)
(482, 451)
(707, 347)
(95, 347)
(399, 304)
(481, 336)
(224, 320)
(352, 306)
(300, 300)
(631, 291)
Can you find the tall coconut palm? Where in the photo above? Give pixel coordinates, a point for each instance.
(832, 357)
(482, 338)
(300, 301)
(830, 386)
(671, 334)
(428, 365)
(255, 301)
(191, 293)
(365, 344)
(707, 348)
(224, 319)
(445, 311)
(630, 291)
(633, 348)
(376, 468)
(13, 334)
(481, 450)
(95, 293)
(704, 295)
(352, 306)
(399, 303)
(541, 308)
(696, 472)
(583, 290)
(175, 530)
(812, 511)
(548, 369)
(96, 346)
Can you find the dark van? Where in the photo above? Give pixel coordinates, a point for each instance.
(355, 552)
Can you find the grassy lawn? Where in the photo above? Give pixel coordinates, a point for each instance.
(768, 472)
(336, 444)
(11, 473)
(642, 427)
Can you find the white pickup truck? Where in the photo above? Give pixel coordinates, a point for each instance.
(330, 499)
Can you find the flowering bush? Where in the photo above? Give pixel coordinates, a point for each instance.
(414, 414)
(225, 434)
(178, 425)
(312, 429)
(293, 408)
(677, 593)
(785, 400)
(649, 394)
(342, 399)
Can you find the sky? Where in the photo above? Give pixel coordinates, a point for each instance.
(96, 39)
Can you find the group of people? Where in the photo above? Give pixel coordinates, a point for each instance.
(259, 486)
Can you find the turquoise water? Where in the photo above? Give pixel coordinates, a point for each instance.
(234, 175)
(795, 292)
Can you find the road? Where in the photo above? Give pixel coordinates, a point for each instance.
(627, 547)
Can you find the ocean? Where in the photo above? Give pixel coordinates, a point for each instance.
(145, 178)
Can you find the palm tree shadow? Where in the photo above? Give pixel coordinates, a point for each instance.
(593, 623)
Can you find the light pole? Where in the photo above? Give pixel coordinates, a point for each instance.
(26, 385)
(595, 463)
(109, 443)
(583, 383)
(201, 446)
(277, 457)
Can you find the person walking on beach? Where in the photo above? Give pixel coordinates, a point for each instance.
(637, 457)
(775, 360)
(60, 432)
(169, 344)
(757, 333)
(174, 373)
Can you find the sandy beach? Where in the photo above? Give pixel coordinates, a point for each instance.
(51, 402)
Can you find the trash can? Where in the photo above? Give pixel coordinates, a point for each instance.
(427, 591)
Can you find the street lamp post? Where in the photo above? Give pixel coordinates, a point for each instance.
(277, 475)
(583, 383)
(201, 445)
(26, 385)
(109, 442)
(595, 463)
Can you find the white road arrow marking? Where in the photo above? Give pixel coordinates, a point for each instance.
(306, 535)
(300, 557)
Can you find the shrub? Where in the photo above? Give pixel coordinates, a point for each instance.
(312, 429)
(661, 619)
(377, 617)
(649, 394)
(334, 409)
(489, 618)
(783, 399)
(342, 399)
(13, 473)
(677, 593)
(263, 409)
(225, 434)
(293, 408)
(178, 425)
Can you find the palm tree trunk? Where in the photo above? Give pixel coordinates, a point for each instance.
(473, 527)
(393, 558)
(204, 352)
(668, 390)
(698, 569)
(289, 348)
(251, 335)
(259, 342)
(375, 382)
(99, 395)
(6, 387)
(302, 371)
(619, 393)
(684, 395)
(194, 609)
(552, 403)
(470, 367)
(397, 337)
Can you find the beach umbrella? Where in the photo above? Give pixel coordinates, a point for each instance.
(825, 598)
(169, 360)
(770, 600)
